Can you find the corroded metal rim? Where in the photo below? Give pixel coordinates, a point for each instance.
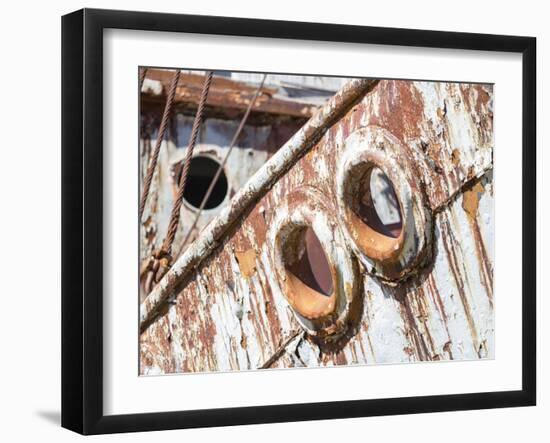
(319, 314)
(392, 259)
(373, 243)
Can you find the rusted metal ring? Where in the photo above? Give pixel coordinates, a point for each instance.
(390, 258)
(323, 315)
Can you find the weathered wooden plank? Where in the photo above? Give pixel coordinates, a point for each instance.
(224, 93)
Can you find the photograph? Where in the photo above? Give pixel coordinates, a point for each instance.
(293, 220)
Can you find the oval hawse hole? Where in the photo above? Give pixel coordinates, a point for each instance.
(378, 205)
(310, 265)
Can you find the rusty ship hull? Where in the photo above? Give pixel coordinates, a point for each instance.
(230, 303)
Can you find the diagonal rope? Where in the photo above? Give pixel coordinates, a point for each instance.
(175, 215)
(222, 164)
(281, 349)
(160, 136)
(142, 74)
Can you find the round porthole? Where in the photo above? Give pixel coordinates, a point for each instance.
(313, 270)
(309, 277)
(202, 170)
(382, 204)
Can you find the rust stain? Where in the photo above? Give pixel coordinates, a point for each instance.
(247, 262)
(470, 204)
(455, 157)
(449, 244)
(470, 200)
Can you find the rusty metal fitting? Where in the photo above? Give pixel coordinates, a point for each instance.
(391, 256)
(154, 269)
(314, 271)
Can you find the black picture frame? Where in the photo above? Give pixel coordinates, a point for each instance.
(82, 220)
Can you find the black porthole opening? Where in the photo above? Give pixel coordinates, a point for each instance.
(201, 173)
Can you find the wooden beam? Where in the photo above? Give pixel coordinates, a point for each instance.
(224, 93)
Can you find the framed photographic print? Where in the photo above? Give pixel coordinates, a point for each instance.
(278, 221)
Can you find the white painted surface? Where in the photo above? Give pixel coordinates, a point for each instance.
(30, 387)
